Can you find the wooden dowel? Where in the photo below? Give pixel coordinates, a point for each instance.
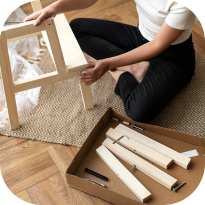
(126, 123)
(115, 119)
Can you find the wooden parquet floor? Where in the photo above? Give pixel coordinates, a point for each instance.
(35, 171)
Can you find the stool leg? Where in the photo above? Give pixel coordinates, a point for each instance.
(8, 82)
(86, 95)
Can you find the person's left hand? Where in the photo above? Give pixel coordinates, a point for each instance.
(99, 68)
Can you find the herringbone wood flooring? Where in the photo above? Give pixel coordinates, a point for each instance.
(35, 171)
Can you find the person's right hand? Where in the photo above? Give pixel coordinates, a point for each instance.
(41, 15)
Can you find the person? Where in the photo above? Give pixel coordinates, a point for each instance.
(151, 63)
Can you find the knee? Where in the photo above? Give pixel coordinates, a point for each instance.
(140, 111)
(76, 24)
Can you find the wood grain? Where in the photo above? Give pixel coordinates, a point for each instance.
(24, 196)
(52, 191)
(177, 157)
(119, 169)
(42, 80)
(22, 29)
(8, 82)
(28, 171)
(140, 149)
(141, 164)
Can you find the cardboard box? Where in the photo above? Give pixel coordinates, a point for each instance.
(117, 192)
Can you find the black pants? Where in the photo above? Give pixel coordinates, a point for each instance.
(167, 74)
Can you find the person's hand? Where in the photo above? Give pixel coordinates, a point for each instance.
(99, 68)
(41, 15)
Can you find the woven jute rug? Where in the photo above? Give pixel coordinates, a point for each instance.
(60, 116)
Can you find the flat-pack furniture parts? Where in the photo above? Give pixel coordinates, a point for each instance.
(141, 164)
(65, 52)
(117, 192)
(177, 157)
(140, 149)
(137, 188)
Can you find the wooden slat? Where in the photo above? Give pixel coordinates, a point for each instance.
(141, 164)
(135, 186)
(36, 5)
(177, 157)
(42, 80)
(22, 29)
(55, 46)
(86, 95)
(8, 82)
(140, 149)
(73, 55)
(22, 37)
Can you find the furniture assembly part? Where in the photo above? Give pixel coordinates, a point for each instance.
(8, 82)
(61, 44)
(72, 53)
(86, 94)
(141, 164)
(134, 185)
(177, 157)
(73, 56)
(55, 46)
(140, 149)
(22, 29)
(36, 5)
(42, 80)
(22, 37)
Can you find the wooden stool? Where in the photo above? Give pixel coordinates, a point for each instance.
(65, 52)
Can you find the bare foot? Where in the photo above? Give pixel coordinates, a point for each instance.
(138, 70)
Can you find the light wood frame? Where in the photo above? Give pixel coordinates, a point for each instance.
(140, 149)
(177, 157)
(141, 164)
(65, 52)
(122, 172)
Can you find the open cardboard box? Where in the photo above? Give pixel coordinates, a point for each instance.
(117, 192)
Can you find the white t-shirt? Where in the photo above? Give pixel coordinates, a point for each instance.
(153, 13)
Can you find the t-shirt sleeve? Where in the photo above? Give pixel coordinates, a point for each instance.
(180, 17)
